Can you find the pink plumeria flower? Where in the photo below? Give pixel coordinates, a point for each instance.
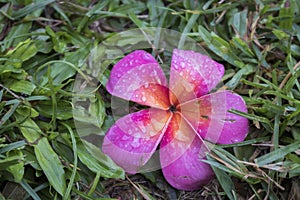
(181, 116)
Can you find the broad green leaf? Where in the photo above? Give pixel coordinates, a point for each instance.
(9, 161)
(94, 114)
(59, 39)
(17, 170)
(28, 127)
(96, 161)
(22, 86)
(8, 68)
(24, 51)
(43, 46)
(63, 110)
(17, 34)
(51, 165)
(62, 70)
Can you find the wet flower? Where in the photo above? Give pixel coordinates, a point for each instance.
(181, 115)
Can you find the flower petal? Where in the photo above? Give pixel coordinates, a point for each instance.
(139, 78)
(132, 140)
(192, 75)
(181, 152)
(210, 117)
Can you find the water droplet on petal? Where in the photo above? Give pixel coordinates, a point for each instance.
(135, 143)
(125, 137)
(235, 140)
(146, 85)
(147, 56)
(182, 64)
(144, 99)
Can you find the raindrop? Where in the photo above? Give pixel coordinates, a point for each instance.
(146, 85)
(130, 132)
(136, 142)
(235, 140)
(147, 56)
(126, 137)
(181, 73)
(182, 64)
(144, 99)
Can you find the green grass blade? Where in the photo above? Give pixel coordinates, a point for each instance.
(74, 148)
(225, 181)
(278, 154)
(30, 8)
(29, 190)
(51, 165)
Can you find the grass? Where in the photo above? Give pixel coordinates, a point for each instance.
(43, 47)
